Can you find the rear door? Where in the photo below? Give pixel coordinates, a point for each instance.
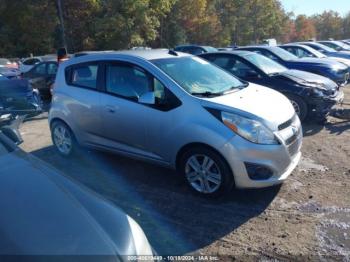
(82, 100)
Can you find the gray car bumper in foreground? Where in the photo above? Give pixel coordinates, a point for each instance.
(280, 160)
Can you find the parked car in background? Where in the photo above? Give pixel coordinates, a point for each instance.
(42, 76)
(334, 70)
(346, 41)
(18, 96)
(10, 73)
(4, 62)
(48, 214)
(301, 50)
(195, 49)
(337, 45)
(179, 111)
(327, 50)
(30, 62)
(310, 94)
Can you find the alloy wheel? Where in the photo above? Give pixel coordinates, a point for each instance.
(63, 139)
(203, 173)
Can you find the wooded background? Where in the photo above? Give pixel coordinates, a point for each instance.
(33, 26)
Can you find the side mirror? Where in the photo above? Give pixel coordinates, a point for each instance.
(147, 98)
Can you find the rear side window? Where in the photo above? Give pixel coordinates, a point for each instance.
(84, 75)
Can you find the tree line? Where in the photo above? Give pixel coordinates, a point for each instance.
(33, 26)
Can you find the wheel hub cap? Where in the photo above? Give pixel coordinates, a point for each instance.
(62, 139)
(203, 173)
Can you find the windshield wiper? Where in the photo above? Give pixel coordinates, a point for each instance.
(274, 74)
(207, 94)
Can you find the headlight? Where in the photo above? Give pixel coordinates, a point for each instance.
(249, 129)
(317, 92)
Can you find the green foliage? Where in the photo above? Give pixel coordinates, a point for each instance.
(32, 26)
(329, 25)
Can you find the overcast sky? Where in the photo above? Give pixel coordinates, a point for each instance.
(310, 7)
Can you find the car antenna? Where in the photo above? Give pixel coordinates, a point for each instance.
(172, 52)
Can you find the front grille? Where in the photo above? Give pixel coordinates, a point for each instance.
(293, 149)
(292, 138)
(286, 124)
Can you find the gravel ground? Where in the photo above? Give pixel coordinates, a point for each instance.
(307, 218)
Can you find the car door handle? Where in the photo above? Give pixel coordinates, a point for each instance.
(110, 109)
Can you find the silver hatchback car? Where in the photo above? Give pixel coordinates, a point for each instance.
(179, 111)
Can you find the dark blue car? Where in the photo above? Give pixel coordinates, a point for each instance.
(310, 94)
(334, 70)
(337, 45)
(327, 50)
(195, 49)
(307, 51)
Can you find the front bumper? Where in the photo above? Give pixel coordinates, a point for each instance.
(341, 78)
(280, 159)
(321, 107)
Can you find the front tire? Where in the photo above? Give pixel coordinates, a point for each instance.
(63, 139)
(206, 171)
(299, 106)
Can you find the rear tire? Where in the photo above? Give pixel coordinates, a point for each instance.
(299, 106)
(206, 171)
(63, 139)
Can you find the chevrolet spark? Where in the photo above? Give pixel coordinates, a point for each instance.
(179, 111)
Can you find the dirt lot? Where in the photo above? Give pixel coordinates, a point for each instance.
(307, 218)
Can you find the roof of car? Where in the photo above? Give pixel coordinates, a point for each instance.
(145, 54)
(232, 52)
(257, 46)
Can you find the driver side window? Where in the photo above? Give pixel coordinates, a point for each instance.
(127, 81)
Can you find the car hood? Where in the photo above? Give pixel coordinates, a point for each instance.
(45, 213)
(257, 102)
(344, 52)
(319, 62)
(305, 78)
(345, 61)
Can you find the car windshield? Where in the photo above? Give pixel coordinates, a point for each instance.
(197, 76)
(283, 54)
(343, 45)
(210, 49)
(324, 47)
(316, 53)
(265, 64)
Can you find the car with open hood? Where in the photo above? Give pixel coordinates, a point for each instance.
(334, 70)
(179, 111)
(311, 95)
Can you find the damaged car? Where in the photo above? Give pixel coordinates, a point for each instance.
(19, 97)
(310, 94)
